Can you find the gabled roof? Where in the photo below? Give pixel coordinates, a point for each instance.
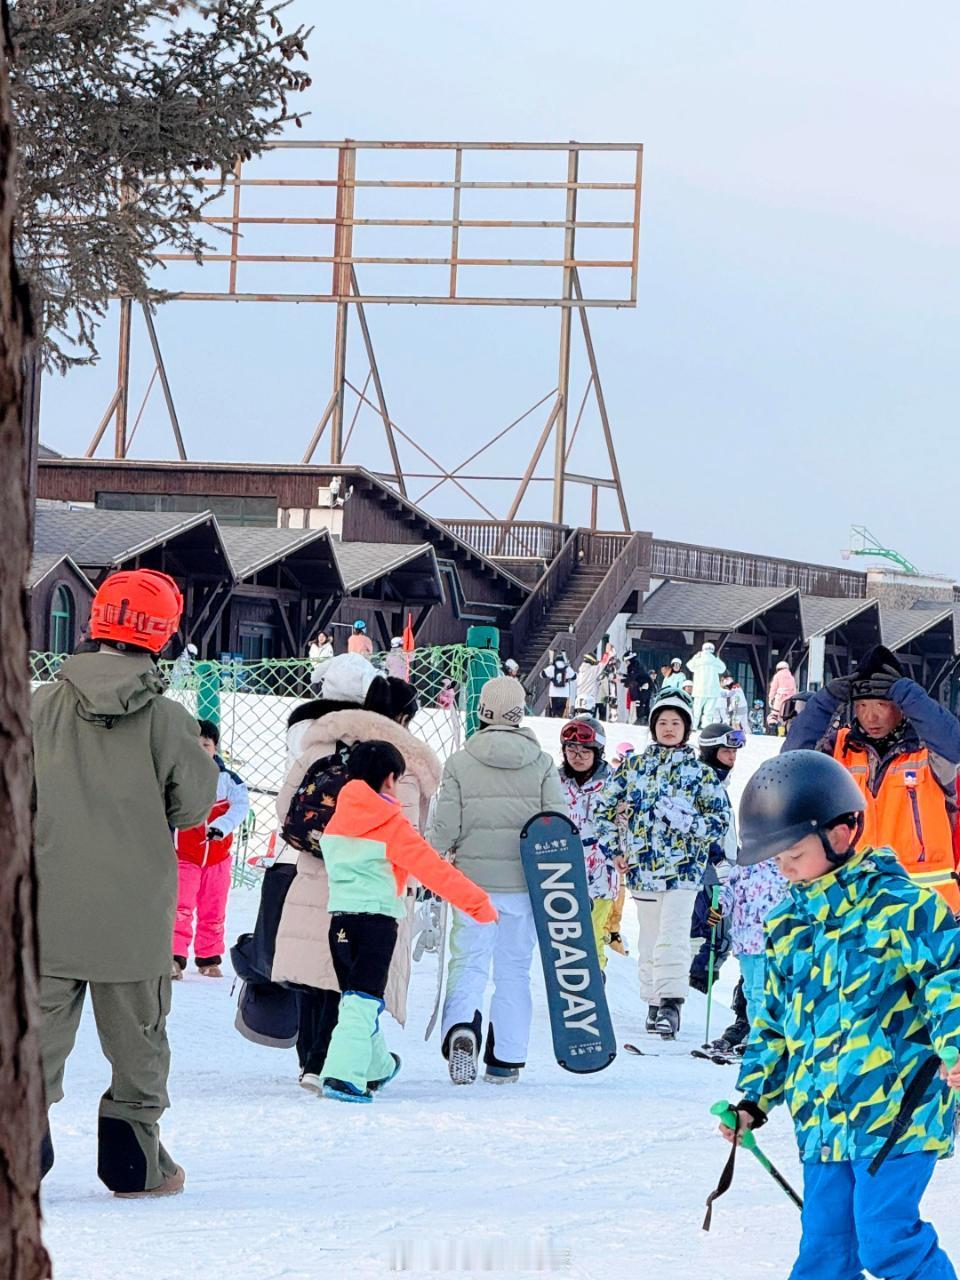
(822, 614)
(700, 606)
(253, 549)
(899, 626)
(41, 566)
(107, 539)
(362, 563)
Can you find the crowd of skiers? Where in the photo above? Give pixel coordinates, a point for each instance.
(838, 896)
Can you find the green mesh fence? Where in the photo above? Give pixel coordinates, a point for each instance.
(251, 702)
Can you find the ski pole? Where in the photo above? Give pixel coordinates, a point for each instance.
(728, 1115)
(714, 900)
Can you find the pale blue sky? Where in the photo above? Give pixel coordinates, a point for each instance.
(791, 366)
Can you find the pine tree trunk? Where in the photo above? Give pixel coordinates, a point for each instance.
(22, 1256)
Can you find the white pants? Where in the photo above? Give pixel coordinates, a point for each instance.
(508, 944)
(664, 945)
(706, 711)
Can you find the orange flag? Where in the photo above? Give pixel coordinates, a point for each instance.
(409, 644)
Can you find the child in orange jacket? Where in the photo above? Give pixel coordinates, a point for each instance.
(370, 849)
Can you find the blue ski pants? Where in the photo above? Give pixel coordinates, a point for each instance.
(853, 1221)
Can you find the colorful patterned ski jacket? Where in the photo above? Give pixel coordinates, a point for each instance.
(603, 880)
(862, 986)
(674, 807)
(748, 897)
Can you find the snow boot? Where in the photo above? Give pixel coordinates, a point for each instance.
(668, 1019)
(210, 971)
(179, 964)
(653, 1012)
(615, 943)
(502, 1075)
(463, 1056)
(376, 1085)
(344, 1091)
(313, 1083)
(172, 1185)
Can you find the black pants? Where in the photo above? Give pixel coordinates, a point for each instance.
(318, 1017)
(558, 708)
(362, 947)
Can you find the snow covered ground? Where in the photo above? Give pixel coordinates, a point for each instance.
(601, 1177)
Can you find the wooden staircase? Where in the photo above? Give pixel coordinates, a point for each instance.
(594, 577)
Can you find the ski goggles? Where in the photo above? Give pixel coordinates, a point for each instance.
(735, 738)
(579, 734)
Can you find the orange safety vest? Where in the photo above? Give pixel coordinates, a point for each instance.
(908, 814)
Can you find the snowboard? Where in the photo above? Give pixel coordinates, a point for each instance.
(556, 876)
(441, 966)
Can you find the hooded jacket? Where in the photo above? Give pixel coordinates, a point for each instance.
(117, 766)
(490, 791)
(782, 686)
(862, 986)
(370, 850)
(661, 855)
(302, 953)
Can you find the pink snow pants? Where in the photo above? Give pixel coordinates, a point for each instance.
(202, 890)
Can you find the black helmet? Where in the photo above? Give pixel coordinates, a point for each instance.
(795, 794)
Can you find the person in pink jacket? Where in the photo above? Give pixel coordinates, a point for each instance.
(203, 869)
(782, 686)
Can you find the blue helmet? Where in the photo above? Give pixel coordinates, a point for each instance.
(359, 625)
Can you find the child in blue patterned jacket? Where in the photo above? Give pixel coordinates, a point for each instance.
(673, 808)
(860, 1015)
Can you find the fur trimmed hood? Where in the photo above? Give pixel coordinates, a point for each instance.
(319, 738)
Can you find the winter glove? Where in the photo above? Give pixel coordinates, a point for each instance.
(214, 833)
(675, 813)
(839, 688)
(877, 685)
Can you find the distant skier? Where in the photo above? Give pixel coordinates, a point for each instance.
(359, 641)
(757, 720)
(673, 676)
(559, 674)
(734, 709)
(320, 654)
(583, 775)
(204, 868)
(707, 669)
(489, 792)
(397, 663)
(718, 747)
(782, 686)
(588, 685)
(861, 1005)
(675, 809)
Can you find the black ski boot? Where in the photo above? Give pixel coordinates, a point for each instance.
(668, 1019)
(650, 1025)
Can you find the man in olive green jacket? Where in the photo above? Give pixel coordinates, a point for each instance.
(117, 766)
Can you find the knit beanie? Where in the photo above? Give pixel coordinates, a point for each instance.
(502, 702)
(347, 677)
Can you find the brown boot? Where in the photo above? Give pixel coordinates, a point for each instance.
(210, 971)
(179, 964)
(172, 1185)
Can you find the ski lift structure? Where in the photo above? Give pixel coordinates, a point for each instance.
(864, 543)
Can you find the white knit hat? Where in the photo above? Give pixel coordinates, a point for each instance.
(502, 702)
(347, 678)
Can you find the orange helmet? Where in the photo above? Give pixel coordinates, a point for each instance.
(140, 608)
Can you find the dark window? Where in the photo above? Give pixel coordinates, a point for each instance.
(228, 508)
(61, 621)
(258, 642)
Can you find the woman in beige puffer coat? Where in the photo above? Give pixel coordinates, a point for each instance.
(302, 957)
